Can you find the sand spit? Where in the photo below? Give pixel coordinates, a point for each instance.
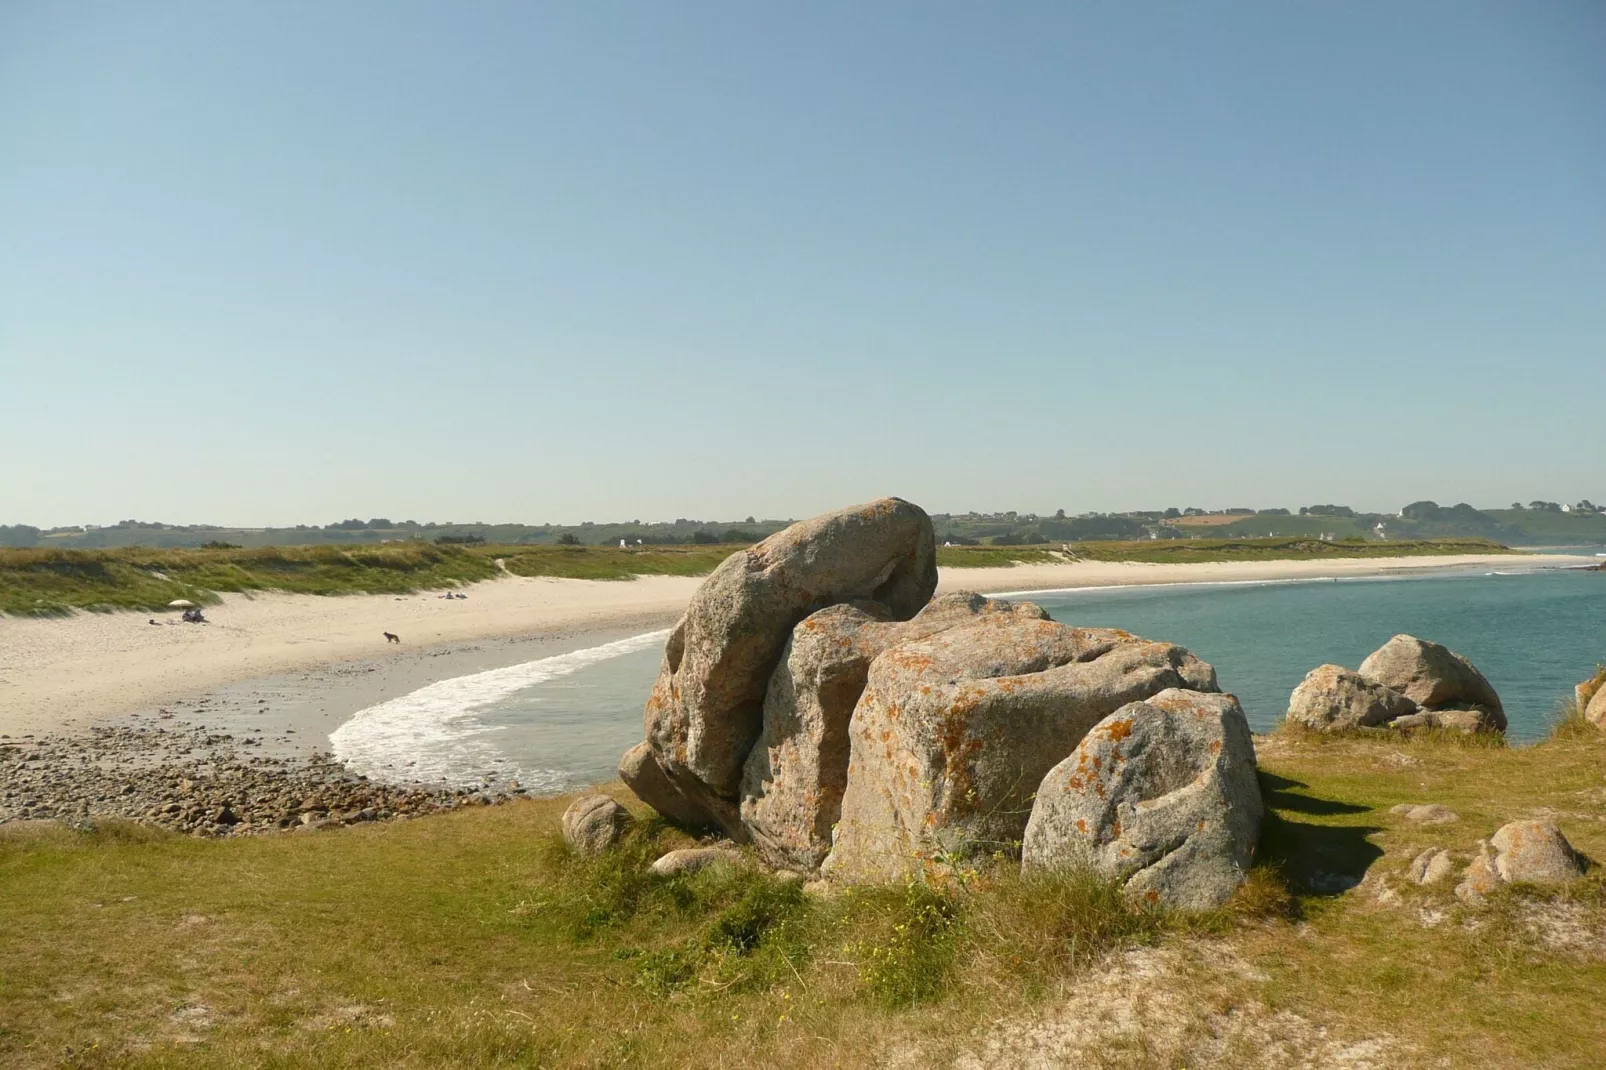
(67, 674)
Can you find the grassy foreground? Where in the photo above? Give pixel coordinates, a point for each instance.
(53, 582)
(474, 939)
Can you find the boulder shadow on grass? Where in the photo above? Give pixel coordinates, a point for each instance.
(1280, 793)
(1315, 859)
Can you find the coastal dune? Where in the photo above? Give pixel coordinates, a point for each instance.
(64, 674)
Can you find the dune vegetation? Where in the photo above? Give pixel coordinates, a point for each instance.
(476, 939)
(54, 582)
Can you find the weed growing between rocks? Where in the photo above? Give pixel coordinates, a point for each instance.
(1568, 722)
(908, 957)
(724, 927)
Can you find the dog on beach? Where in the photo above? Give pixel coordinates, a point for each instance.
(392, 637)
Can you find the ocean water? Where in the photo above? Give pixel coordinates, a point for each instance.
(1533, 634)
(561, 722)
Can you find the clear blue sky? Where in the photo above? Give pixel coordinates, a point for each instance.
(292, 262)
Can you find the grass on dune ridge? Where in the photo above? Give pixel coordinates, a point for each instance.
(53, 582)
(475, 939)
(37, 582)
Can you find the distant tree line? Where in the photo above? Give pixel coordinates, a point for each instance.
(1537, 522)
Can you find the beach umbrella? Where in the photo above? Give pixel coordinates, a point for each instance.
(181, 603)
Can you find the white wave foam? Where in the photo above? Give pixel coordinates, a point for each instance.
(431, 734)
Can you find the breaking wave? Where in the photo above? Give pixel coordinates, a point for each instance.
(433, 734)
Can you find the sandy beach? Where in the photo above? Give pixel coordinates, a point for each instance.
(66, 674)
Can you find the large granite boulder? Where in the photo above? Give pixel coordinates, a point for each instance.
(1432, 676)
(794, 778)
(1331, 698)
(1161, 796)
(954, 733)
(594, 823)
(706, 709)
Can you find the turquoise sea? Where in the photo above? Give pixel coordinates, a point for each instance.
(562, 722)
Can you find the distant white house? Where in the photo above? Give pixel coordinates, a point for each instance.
(1566, 508)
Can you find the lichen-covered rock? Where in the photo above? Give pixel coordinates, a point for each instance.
(1480, 877)
(1534, 852)
(1521, 852)
(706, 709)
(1431, 866)
(642, 775)
(794, 778)
(1161, 795)
(692, 859)
(1432, 676)
(1331, 698)
(594, 823)
(1584, 695)
(1595, 710)
(954, 733)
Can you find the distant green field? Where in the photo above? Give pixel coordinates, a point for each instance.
(1181, 551)
(1284, 526)
(608, 562)
(1555, 529)
(1229, 549)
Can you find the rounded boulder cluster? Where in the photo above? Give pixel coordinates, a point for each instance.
(817, 703)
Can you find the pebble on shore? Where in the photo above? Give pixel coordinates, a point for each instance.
(193, 781)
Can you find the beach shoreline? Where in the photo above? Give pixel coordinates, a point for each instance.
(314, 660)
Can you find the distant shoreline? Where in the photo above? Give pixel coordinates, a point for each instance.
(64, 674)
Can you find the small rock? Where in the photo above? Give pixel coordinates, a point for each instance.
(1428, 814)
(1535, 852)
(692, 859)
(594, 823)
(1431, 866)
(1480, 877)
(1525, 852)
